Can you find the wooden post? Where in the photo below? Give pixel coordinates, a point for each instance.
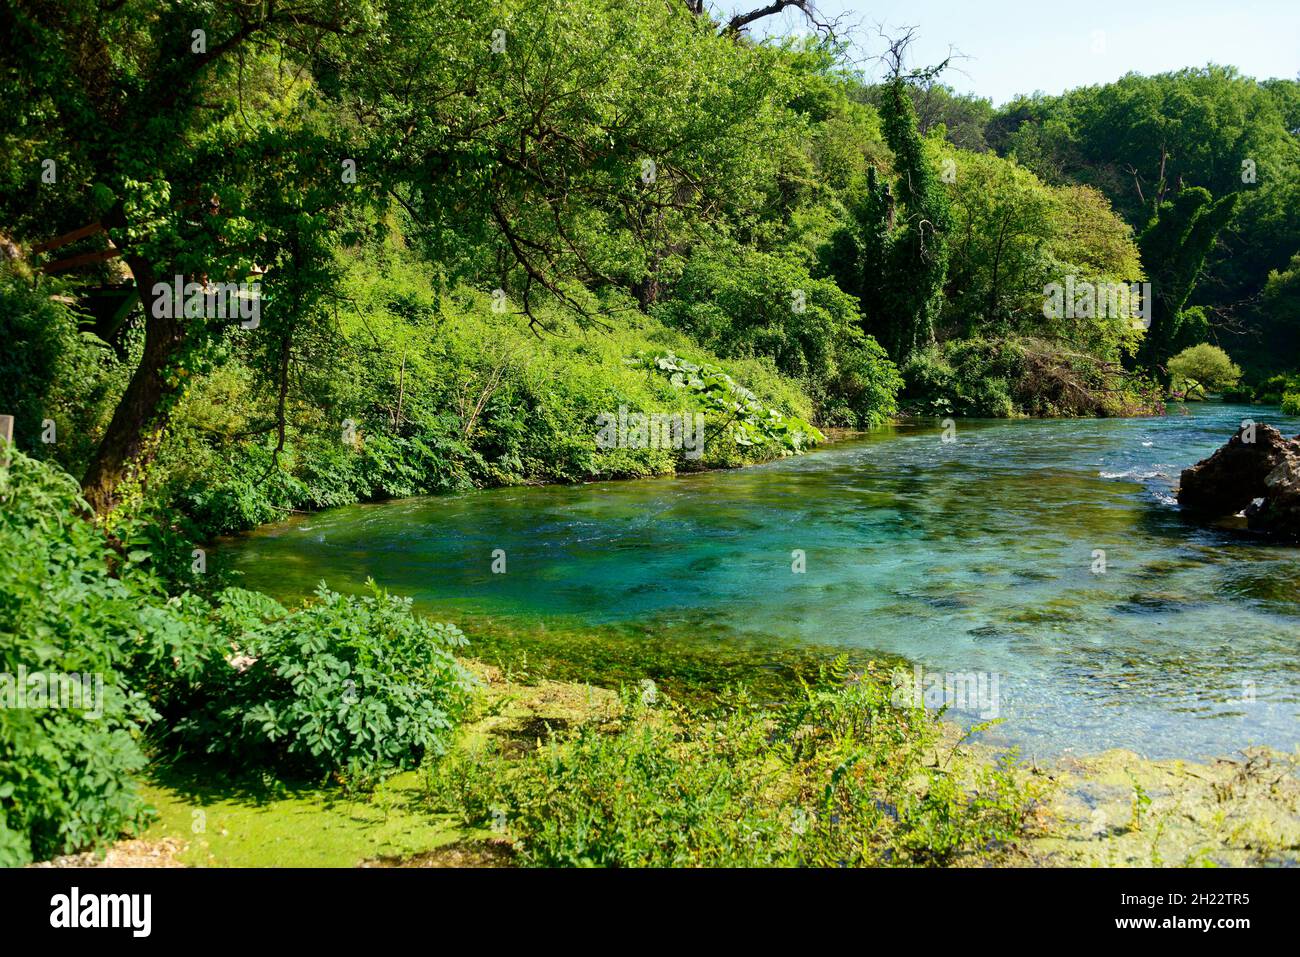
(7, 434)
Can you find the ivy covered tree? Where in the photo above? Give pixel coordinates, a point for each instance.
(896, 258)
(1174, 247)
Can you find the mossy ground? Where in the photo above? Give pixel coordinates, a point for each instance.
(1116, 809)
(263, 823)
(301, 828)
(1111, 809)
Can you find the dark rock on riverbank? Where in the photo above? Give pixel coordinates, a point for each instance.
(1257, 473)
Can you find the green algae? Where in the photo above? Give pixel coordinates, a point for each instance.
(223, 826)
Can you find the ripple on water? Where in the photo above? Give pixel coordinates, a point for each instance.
(973, 556)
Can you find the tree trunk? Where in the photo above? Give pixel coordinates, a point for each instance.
(130, 442)
(646, 291)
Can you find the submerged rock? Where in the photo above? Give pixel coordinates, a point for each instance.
(1257, 473)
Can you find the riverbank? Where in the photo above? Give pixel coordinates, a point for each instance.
(833, 771)
(1110, 809)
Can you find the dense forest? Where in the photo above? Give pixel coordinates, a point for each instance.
(455, 256)
(458, 234)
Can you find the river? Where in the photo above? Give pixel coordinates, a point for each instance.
(977, 557)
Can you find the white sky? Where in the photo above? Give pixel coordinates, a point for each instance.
(1015, 46)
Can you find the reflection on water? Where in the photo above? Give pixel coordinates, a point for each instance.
(973, 556)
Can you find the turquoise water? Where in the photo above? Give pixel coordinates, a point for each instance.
(975, 556)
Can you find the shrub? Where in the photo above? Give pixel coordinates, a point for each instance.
(71, 606)
(839, 777)
(51, 370)
(349, 686)
(1272, 389)
(1203, 368)
(968, 377)
(750, 422)
(743, 303)
(1019, 375)
(352, 686)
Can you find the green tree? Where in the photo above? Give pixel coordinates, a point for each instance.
(1280, 311)
(1203, 368)
(1013, 236)
(1143, 139)
(1174, 247)
(895, 257)
(179, 133)
(550, 150)
(741, 303)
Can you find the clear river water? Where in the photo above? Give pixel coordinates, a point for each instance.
(979, 556)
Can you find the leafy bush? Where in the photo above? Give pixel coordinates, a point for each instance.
(349, 686)
(748, 421)
(744, 303)
(50, 370)
(839, 777)
(352, 686)
(1271, 390)
(1019, 375)
(445, 397)
(1201, 368)
(969, 377)
(1274, 389)
(71, 606)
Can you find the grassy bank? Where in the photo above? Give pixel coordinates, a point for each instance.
(1111, 809)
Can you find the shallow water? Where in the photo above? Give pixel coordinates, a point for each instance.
(975, 556)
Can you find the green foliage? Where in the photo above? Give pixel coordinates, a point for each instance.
(904, 237)
(1000, 237)
(51, 370)
(1020, 375)
(1269, 391)
(839, 777)
(555, 185)
(961, 117)
(669, 132)
(1274, 388)
(1202, 368)
(1143, 139)
(72, 607)
(1018, 235)
(1174, 248)
(1280, 311)
(443, 393)
(353, 686)
(966, 378)
(747, 304)
(347, 686)
(746, 421)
